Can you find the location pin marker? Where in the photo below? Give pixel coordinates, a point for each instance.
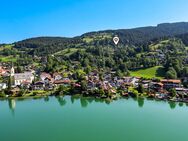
(116, 40)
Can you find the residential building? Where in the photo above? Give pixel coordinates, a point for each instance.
(171, 83)
(3, 86)
(57, 76)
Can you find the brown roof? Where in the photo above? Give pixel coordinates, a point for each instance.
(47, 75)
(161, 84)
(62, 81)
(171, 81)
(56, 74)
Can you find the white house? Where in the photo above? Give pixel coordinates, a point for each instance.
(3, 86)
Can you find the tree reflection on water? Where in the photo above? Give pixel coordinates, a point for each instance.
(12, 105)
(86, 101)
(140, 101)
(61, 100)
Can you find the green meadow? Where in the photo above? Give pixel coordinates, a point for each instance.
(154, 72)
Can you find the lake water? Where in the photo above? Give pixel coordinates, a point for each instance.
(87, 119)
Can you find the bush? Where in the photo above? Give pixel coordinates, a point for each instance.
(2, 94)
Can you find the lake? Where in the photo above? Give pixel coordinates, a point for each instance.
(87, 119)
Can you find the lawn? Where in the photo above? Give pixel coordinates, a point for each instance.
(154, 72)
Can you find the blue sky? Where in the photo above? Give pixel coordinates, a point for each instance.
(20, 19)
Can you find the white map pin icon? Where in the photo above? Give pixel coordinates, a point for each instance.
(116, 40)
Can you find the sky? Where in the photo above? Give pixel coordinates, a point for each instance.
(21, 19)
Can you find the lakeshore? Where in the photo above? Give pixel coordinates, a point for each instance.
(109, 86)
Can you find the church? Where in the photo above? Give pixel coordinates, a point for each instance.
(21, 78)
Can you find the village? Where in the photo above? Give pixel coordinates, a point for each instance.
(33, 83)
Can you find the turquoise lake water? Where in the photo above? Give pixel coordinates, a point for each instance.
(88, 119)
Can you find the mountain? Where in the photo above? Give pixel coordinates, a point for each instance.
(135, 36)
(162, 48)
(146, 34)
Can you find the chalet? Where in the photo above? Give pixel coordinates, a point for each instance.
(45, 75)
(146, 83)
(130, 81)
(171, 83)
(38, 85)
(158, 86)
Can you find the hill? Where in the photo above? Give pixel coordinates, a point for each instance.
(137, 37)
(141, 49)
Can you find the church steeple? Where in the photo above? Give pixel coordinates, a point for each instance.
(12, 72)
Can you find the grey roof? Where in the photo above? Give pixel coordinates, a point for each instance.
(21, 76)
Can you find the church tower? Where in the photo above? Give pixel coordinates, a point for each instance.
(12, 72)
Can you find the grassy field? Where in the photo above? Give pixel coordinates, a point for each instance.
(68, 52)
(154, 72)
(158, 45)
(6, 47)
(8, 59)
(97, 37)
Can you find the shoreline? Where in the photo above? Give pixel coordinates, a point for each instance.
(90, 96)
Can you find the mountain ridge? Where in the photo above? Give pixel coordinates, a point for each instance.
(133, 37)
(116, 30)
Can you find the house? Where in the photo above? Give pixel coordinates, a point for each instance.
(119, 82)
(130, 81)
(65, 82)
(146, 83)
(45, 75)
(2, 70)
(25, 85)
(158, 86)
(91, 85)
(46, 78)
(48, 81)
(3, 86)
(171, 83)
(182, 91)
(57, 76)
(38, 85)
